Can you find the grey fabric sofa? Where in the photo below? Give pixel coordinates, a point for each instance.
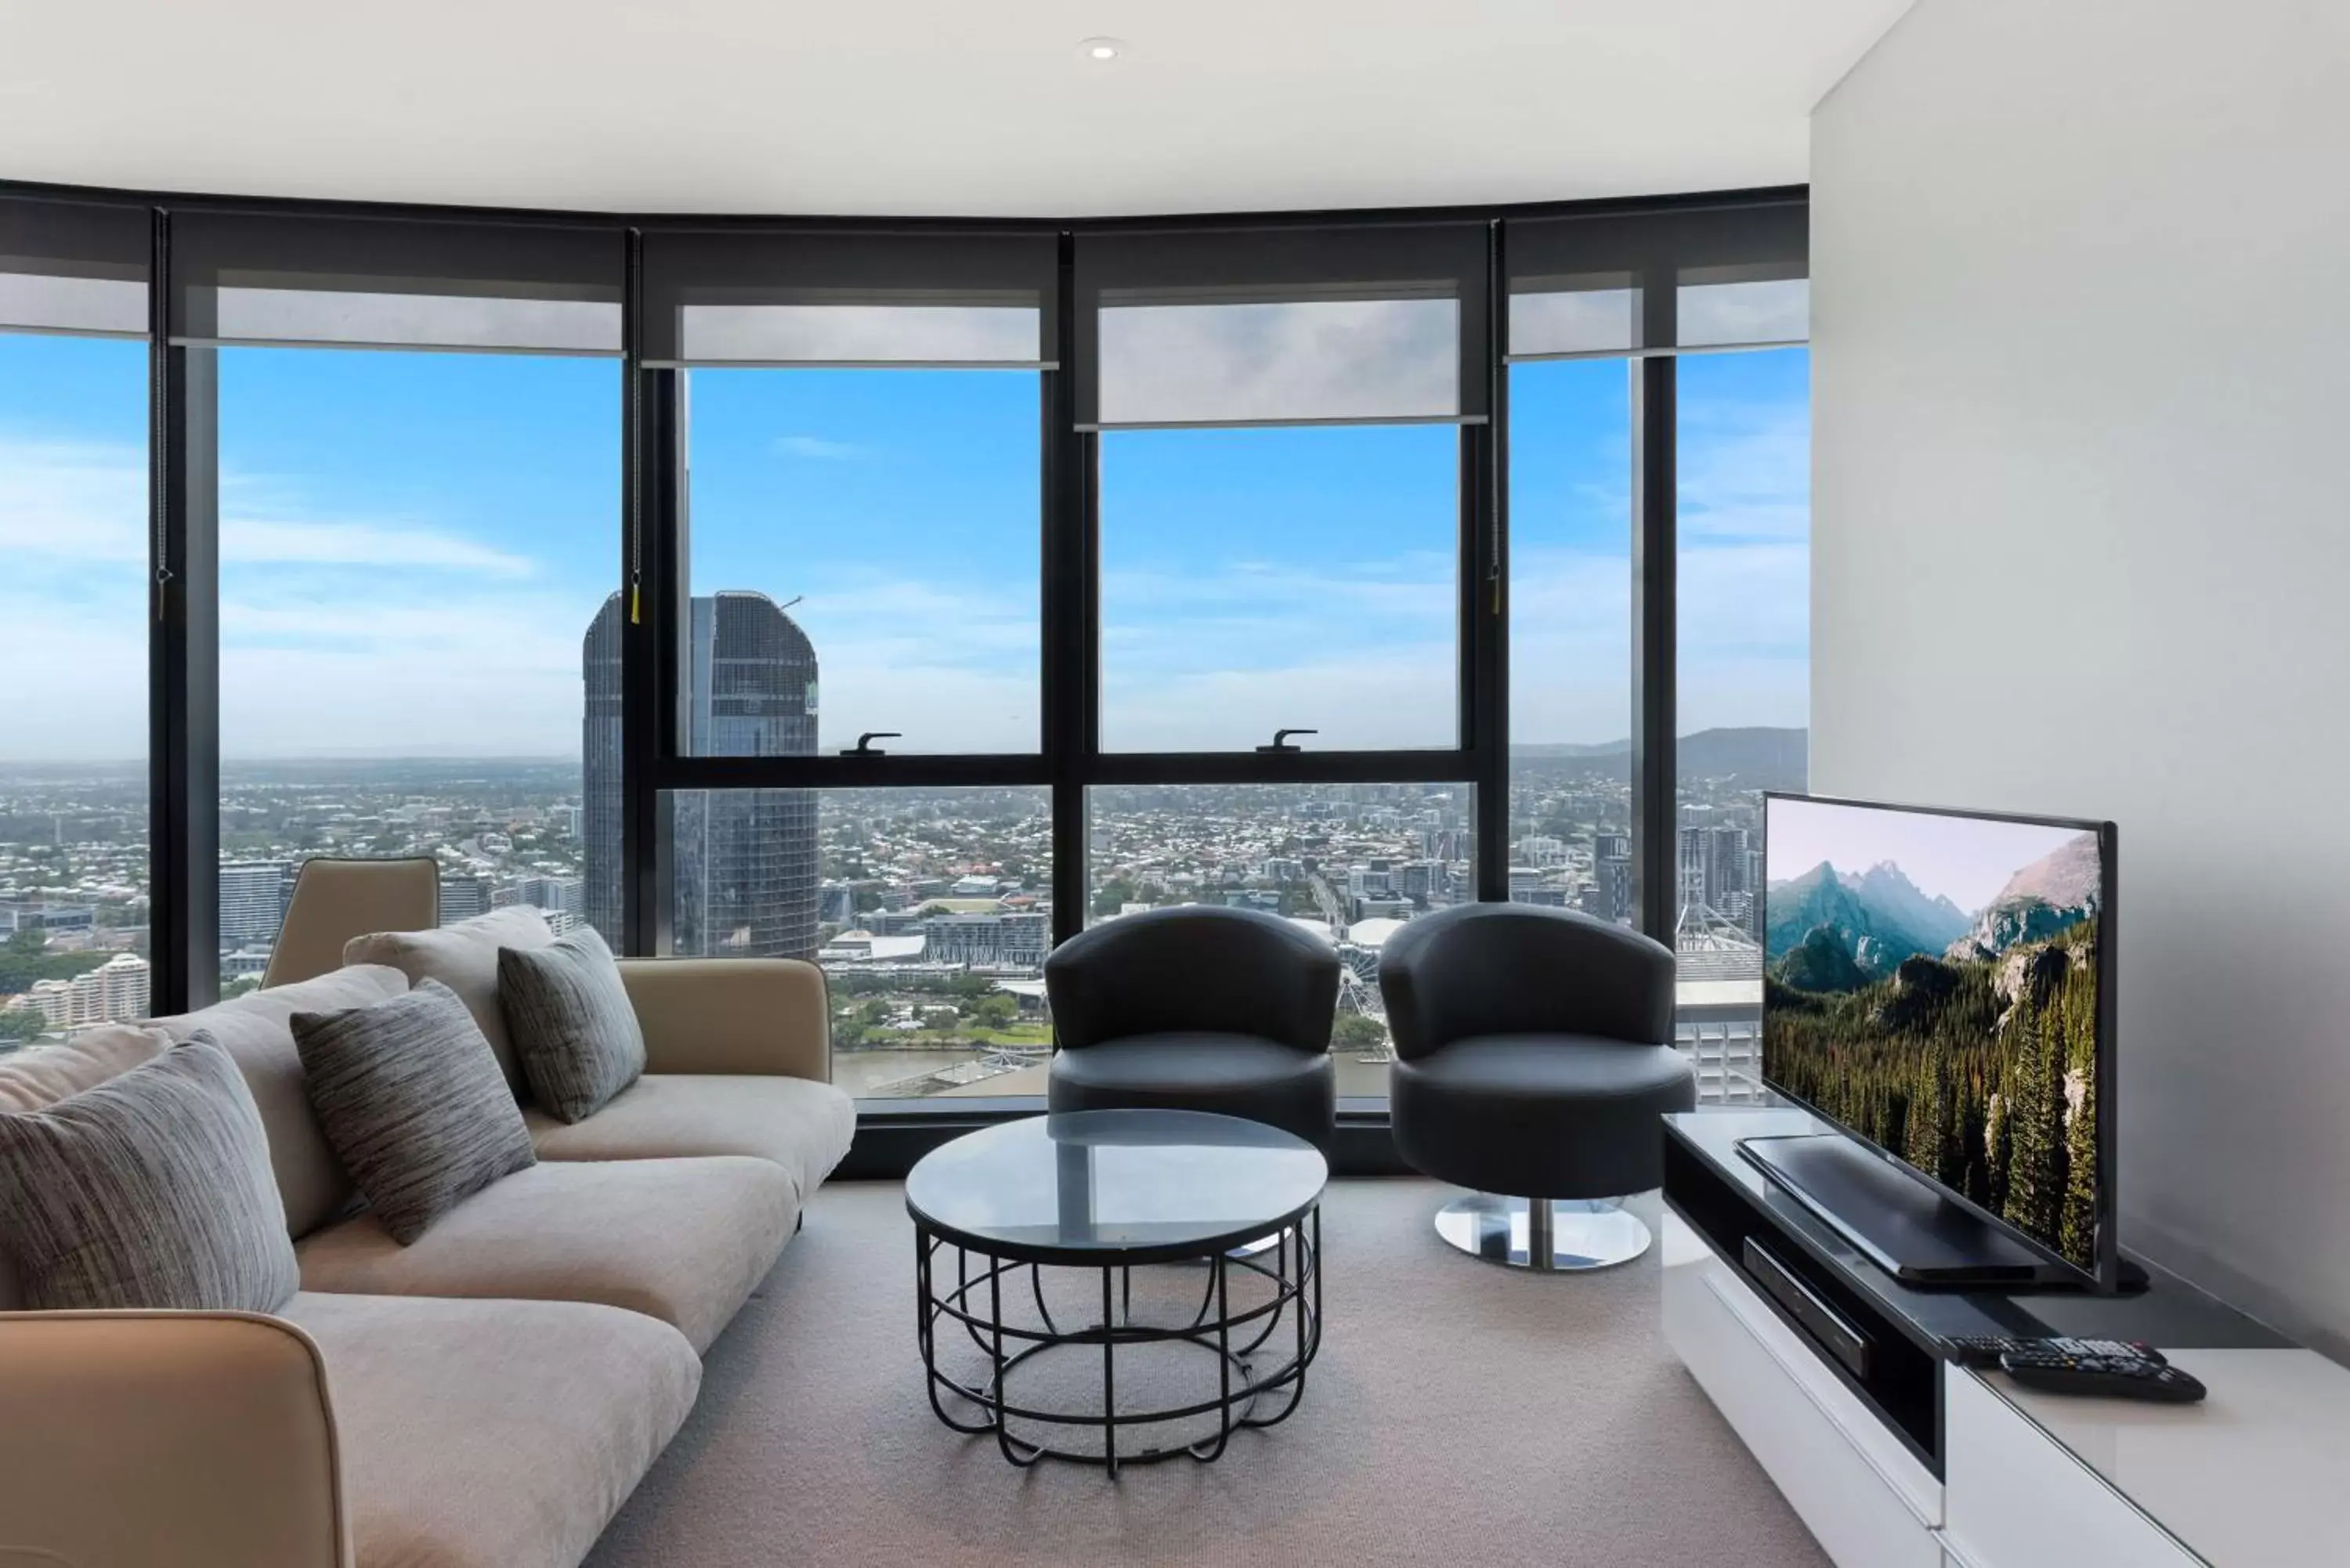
(487, 1398)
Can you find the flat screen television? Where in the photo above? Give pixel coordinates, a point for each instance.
(1940, 985)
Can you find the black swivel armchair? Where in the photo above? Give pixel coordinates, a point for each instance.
(1533, 1058)
(1199, 1008)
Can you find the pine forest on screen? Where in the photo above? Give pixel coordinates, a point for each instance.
(1933, 984)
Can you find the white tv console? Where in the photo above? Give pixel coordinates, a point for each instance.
(1920, 1463)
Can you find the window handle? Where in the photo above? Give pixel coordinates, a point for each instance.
(865, 746)
(1281, 740)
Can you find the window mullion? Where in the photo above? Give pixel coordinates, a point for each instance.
(1656, 878)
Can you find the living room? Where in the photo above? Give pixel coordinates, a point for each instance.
(743, 806)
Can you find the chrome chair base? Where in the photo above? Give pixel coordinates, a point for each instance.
(1547, 1235)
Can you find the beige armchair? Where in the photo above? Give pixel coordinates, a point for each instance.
(335, 900)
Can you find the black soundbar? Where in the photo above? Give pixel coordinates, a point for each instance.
(1830, 1327)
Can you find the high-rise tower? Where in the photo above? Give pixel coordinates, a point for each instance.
(744, 861)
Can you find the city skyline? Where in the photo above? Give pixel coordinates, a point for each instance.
(930, 899)
(411, 545)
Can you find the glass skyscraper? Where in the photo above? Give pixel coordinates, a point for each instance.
(744, 861)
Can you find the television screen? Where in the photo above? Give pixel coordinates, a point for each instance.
(1932, 983)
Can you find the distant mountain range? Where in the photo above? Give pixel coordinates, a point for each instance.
(1759, 758)
(1833, 931)
(1878, 916)
(2054, 891)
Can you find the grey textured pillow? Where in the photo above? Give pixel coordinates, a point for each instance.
(571, 1023)
(412, 1097)
(151, 1190)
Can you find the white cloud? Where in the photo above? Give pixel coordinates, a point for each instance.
(73, 528)
(75, 686)
(1401, 695)
(1362, 648)
(1745, 634)
(81, 501)
(402, 671)
(1745, 470)
(816, 449)
(87, 502)
(1744, 611)
(938, 706)
(256, 541)
(1570, 646)
(325, 647)
(1199, 611)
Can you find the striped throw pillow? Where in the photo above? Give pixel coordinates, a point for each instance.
(412, 1099)
(151, 1190)
(572, 1025)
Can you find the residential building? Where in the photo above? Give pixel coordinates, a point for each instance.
(251, 902)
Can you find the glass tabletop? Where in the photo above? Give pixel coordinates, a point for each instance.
(1092, 1187)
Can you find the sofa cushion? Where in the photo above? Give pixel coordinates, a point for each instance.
(151, 1190)
(311, 1182)
(493, 1434)
(680, 1240)
(414, 1102)
(464, 958)
(803, 1127)
(571, 1023)
(40, 1075)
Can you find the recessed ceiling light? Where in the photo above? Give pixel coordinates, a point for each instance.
(1101, 51)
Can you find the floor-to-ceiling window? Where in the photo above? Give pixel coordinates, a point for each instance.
(413, 489)
(74, 876)
(857, 612)
(1742, 588)
(1287, 426)
(904, 596)
(1658, 527)
(1571, 525)
(413, 546)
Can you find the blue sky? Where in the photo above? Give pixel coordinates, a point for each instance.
(413, 545)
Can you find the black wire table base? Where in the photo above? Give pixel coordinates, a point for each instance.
(973, 1300)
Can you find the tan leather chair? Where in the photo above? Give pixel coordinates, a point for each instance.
(335, 900)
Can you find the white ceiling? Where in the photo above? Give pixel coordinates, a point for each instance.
(928, 107)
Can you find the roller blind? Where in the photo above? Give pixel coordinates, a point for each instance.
(1657, 283)
(489, 288)
(1745, 314)
(850, 298)
(1282, 325)
(73, 267)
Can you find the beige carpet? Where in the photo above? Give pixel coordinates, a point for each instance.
(1459, 1413)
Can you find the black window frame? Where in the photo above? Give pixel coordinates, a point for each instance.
(1658, 242)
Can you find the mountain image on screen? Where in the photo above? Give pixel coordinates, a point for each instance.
(1944, 1008)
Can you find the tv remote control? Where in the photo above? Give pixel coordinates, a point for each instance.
(2102, 1367)
(1985, 1349)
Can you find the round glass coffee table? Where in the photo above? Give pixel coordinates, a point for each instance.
(1107, 1192)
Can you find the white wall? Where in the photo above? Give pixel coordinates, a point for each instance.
(2081, 362)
